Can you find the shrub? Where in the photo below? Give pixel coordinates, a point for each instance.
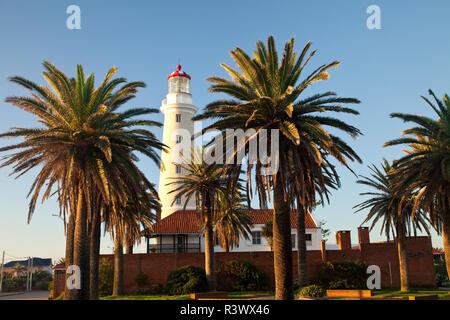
(312, 291)
(42, 275)
(240, 276)
(105, 277)
(187, 279)
(141, 279)
(341, 275)
(50, 288)
(441, 273)
(44, 285)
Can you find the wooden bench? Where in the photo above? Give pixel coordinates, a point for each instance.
(209, 295)
(428, 297)
(349, 293)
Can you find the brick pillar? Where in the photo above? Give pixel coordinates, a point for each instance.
(323, 249)
(363, 235)
(343, 240)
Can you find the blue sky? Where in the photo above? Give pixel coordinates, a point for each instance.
(387, 69)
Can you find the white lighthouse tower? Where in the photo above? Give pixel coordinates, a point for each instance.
(178, 111)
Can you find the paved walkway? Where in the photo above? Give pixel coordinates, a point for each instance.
(33, 295)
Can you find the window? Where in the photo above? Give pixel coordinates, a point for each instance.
(178, 200)
(294, 243)
(178, 139)
(256, 237)
(178, 117)
(308, 237)
(178, 169)
(217, 240)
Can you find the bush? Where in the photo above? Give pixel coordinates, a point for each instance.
(341, 275)
(42, 276)
(312, 291)
(441, 273)
(105, 277)
(187, 279)
(141, 279)
(50, 288)
(240, 276)
(44, 285)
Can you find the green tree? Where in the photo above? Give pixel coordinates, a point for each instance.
(267, 232)
(231, 224)
(85, 149)
(425, 169)
(394, 211)
(206, 183)
(266, 94)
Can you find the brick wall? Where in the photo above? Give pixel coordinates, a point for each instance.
(157, 266)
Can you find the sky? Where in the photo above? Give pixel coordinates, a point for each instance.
(388, 69)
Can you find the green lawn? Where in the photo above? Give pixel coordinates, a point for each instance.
(147, 297)
(231, 295)
(395, 293)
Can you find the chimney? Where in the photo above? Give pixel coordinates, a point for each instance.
(363, 235)
(343, 240)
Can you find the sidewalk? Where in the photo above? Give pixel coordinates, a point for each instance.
(33, 295)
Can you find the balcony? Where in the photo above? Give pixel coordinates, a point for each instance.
(174, 248)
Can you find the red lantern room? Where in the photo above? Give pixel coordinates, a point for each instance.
(179, 81)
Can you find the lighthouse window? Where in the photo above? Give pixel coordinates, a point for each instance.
(178, 169)
(178, 139)
(178, 117)
(178, 200)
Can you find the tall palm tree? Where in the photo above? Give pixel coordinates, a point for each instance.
(394, 210)
(265, 94)
(317, 182)
(231, 224)
(425, 168)
(206, 183)
(84, 148)
(125, 228)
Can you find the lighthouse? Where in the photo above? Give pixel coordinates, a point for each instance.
(178, 110)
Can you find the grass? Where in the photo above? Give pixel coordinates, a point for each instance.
(395, 293)
(147, 297)
(231, 295)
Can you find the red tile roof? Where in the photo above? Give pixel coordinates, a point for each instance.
(188, 221)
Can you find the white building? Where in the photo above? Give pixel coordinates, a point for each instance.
(180, 230)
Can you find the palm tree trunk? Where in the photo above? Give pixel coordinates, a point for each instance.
(118, 266)
(446, 237)
(282, 246)
(69, 249)
(129, 247)
(94, 252)
(209, 245)
(81, 249)
(402, 257)
(301, 247)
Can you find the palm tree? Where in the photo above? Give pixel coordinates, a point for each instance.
(85, 148)
(425, 168)
(394, 210)
(317, 182)
(231, 224)
(206, 183)
(126, 228)
(265, 94)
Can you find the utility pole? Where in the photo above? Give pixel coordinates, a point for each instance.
(1, 277)
(31, 274)
(28, 273)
